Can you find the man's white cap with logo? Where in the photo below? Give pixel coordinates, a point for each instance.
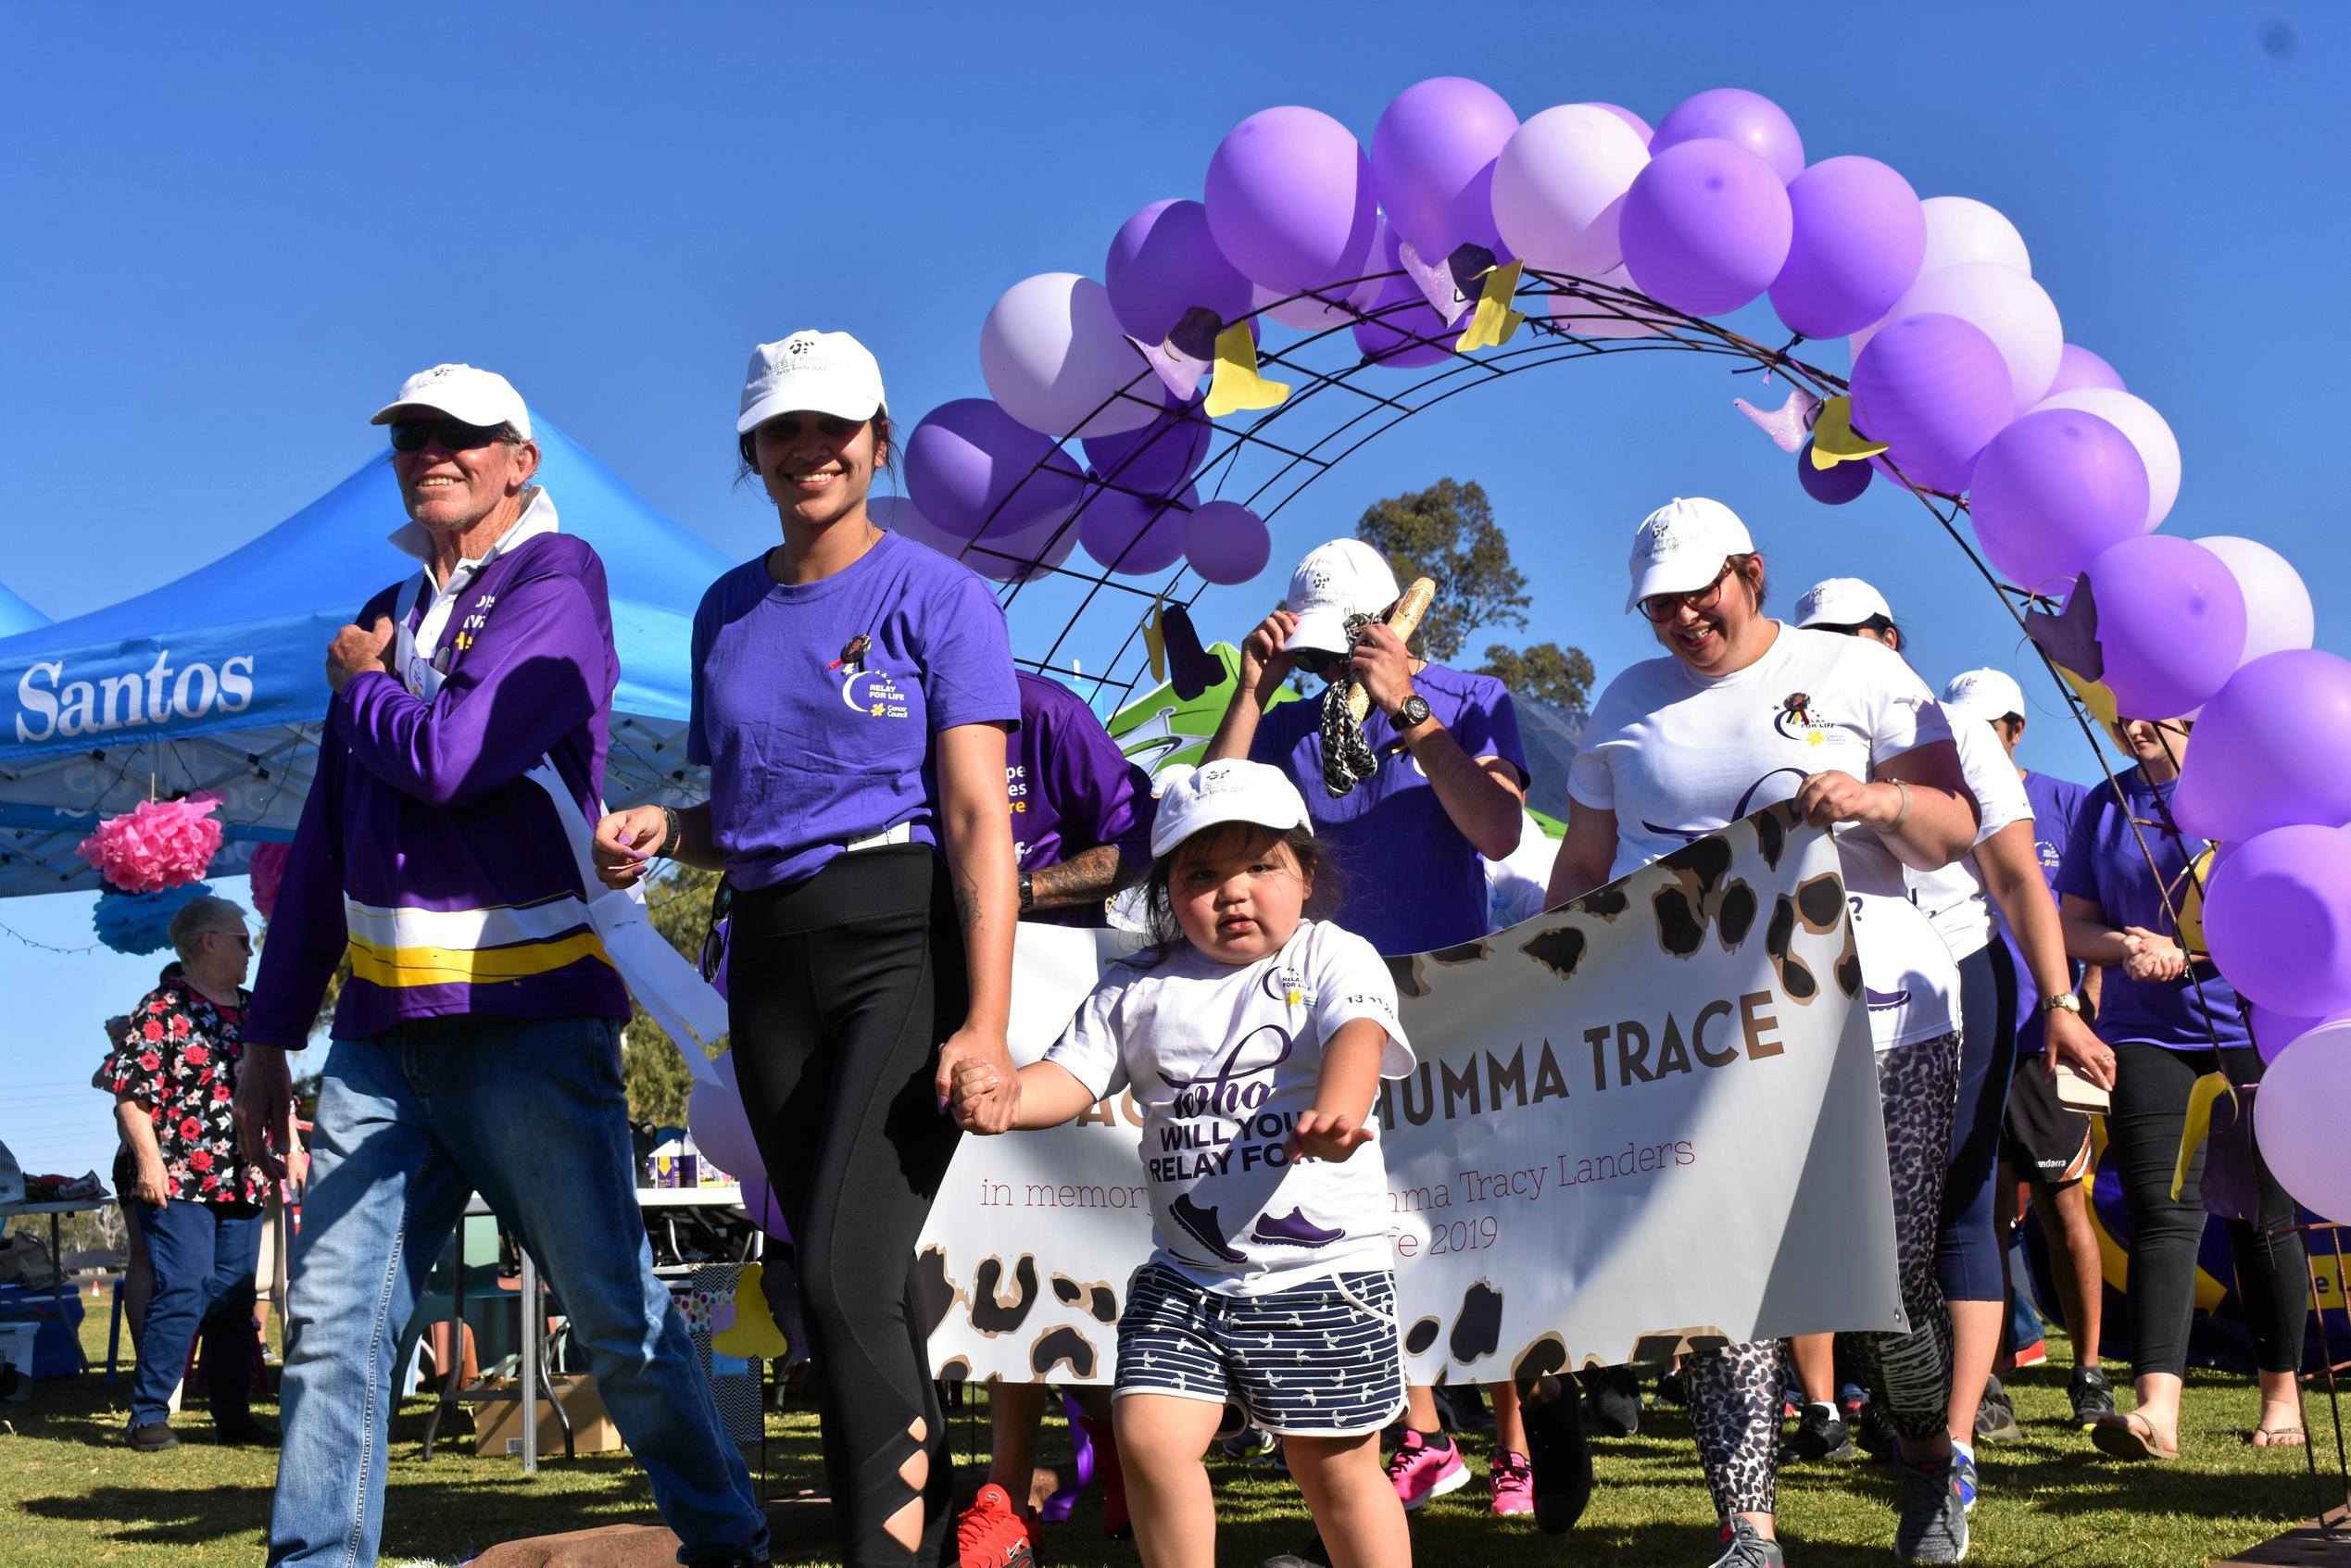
(1682, 547)
(1345, 577)
(822, 373)
(466, 395)
(1230, 791)
(1840, 601)
(1985, 694)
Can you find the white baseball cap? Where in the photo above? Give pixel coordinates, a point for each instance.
(824, 373)
(466, 395)
(1231, 791)
(1840, 601)
(1345, 577)
(1985, 694)
(1682, 547)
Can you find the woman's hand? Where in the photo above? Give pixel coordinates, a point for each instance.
(1265, 666)
(1328, 1135)
(976, 1083)
(624, 844)
(149, 1185)
(2153, 957)
(2071, 1040)
(1827, 798)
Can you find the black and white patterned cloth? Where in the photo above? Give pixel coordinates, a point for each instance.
(1318, 1359)
(1347, 756)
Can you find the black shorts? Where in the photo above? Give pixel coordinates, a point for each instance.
(2044, 1140)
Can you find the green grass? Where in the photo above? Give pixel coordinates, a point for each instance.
(70, 1494)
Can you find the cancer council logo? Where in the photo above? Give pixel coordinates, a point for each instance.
(50, 702)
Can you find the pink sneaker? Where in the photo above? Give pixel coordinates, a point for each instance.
(1513, 1482)
(1420, 1470)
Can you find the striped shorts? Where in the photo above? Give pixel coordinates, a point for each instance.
(1318, 1359)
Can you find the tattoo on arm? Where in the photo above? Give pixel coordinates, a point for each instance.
(967, 899)
(1087, 878)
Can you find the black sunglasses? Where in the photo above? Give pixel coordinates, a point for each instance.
(1318, 663)
(1662, 607)
(414, 435)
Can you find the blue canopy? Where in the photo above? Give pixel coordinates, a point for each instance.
(217, 682)
(16, 615)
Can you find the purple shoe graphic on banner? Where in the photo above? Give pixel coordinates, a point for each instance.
(1293, 1229)
(1201, 1226)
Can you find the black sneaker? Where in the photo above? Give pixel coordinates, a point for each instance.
(1612, 1401)
(1933, 1524)
(1996, 1416)
(1819, 1435)
(1672, 1388)
(2091, 1394)
(1745, 1548)
(152, 1438)
(1875, 1432)
(1561, 1459)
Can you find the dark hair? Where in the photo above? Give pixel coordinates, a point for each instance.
(1166, 937)
(1882, 625)
(747, 466)
(1738, 565)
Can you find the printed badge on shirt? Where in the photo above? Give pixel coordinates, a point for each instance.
(873, 693)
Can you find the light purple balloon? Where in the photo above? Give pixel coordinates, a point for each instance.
(1859, 235)
(1706, 226)
(1226, 542)
(1733, 114)
(2273, 1032)
(1289, 200)
(2052, 490)
(1935, 390)
(2272, 749)
(1162, 262)
(1132, 536)
(722, 1131)
(2077, 367)
(1432, 158)
(969, 457)
(2170, 623)
(1159, 457)
(1398, 319)
(2006, 304)
(1640, 127)
(2278, 919)
(2297, 1118)
(1002, 554)
(901, 515)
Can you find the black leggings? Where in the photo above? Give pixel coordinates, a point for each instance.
(841, 988)
(2151, 1088)
(1968, 1251)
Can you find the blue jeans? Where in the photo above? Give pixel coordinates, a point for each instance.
(202, 1255)
(530, 1113)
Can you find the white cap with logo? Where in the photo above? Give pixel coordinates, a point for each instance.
(1231, 791)
(1345, 577)
(822, 373)
(1840, 601)
(468, 395)
(1985, 694)
(1682, 547)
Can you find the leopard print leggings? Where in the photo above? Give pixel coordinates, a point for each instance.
(1735, 1392)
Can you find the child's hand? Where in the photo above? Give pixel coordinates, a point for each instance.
(1326, 1135)
(981, 1099)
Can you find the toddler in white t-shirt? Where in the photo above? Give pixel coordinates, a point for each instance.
(1253, 1039)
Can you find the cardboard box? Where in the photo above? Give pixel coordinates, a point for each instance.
(498, 1425)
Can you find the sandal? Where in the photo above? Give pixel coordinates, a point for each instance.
(2277, 1438)
(2129, 1436)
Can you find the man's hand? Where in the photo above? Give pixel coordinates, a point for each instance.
(355, 650)
(2071, 1039)
(976, 1081)
(1326, 1135)
(624, 844)
(2153, 957)
(149, 1185)
(1264, 664)
(1382, 666)
(264, 1105)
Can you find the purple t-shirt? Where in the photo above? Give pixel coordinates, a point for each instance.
(1070, 789)
(2103, 861)
(815, 704)
(1410, 882)
(2056, 805)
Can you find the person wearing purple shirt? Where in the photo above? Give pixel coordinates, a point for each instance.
(477, 1042)
(2170, 1018)
(1081, 811)
(851, 693)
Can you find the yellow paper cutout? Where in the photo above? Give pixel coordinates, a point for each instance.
(2094, 694)
(1495, 320)
(754, 1332)
(1835, 441)
(2191, 916)
(2210, 1088)
(1155, 640)
(1238, 384)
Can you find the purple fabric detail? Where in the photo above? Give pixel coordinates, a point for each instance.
(1070, 789)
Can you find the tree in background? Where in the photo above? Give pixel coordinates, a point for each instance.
(1560, 676)
(678, 900)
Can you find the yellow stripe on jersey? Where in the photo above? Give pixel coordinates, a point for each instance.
(394, 967)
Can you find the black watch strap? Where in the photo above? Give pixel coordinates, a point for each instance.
(1028, 894)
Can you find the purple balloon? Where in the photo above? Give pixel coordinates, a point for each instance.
(2052, 490)
(2078, 368)
(1006, 553)
(1289, 200)
(2272, 747)
(1132, 536)
(1432, 158)
(1832, 486)
(2273, 1032)
(1860, 235)
(1226, 542)
(1733, 114)
(2278, 919)
(1400, 317)
(2170, 623)
(1640, 127)
(1936, 391)
(968, 457)
(1159, 457)
(1707, 227)
(1162, 262)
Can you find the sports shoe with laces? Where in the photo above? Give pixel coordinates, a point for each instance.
(2091, 1394)
(1420, 1470)
(1996, 1416)
(1933, 1524)
(1513, 1478)
(1821, 1434)
(1964, 1474)
(1745, 1548)
(990, 1535)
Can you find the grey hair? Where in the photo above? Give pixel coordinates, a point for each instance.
(198, 916)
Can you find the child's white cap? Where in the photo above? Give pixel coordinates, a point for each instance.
(1230, 791)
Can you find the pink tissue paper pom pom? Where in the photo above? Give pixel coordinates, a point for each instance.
(159, 844)
(266, 868)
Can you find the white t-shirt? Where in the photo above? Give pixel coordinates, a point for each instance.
(1223, 1059)
(1516, 887)
(1953, 900)
(1677, 756)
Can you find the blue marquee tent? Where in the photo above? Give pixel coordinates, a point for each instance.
(217, 682)
(16, 615)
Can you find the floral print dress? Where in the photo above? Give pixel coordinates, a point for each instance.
(179, 1059)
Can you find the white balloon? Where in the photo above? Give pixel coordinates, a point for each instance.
(722, 1133)
(2278, 615)
(1587, 318)
(1558, 183)
(2015, 312)
(2297, 1115)
(1962, 229)
(2158, 448)
(1052, 353)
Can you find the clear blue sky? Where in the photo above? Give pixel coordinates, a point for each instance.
(232, 234)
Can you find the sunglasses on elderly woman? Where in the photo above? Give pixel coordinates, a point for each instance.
(414, 435)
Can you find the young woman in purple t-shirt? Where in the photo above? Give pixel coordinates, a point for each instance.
(853, 691)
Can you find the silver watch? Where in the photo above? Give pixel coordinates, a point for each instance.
(2062, 1002)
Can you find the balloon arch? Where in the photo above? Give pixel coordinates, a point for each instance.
(1466, 245)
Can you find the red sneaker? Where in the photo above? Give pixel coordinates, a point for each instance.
(2033, 1354)
(990, 1535)
(1115, 1521)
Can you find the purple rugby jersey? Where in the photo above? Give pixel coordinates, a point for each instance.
(2056, 805)
(816, 705)
(1410, 882)
(423, 850)
(1070, 789)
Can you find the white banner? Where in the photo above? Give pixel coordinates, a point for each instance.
(1644, 1121)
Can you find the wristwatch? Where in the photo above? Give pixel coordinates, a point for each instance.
(1028, 894)
(2064, 1002)
(1414, 713)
